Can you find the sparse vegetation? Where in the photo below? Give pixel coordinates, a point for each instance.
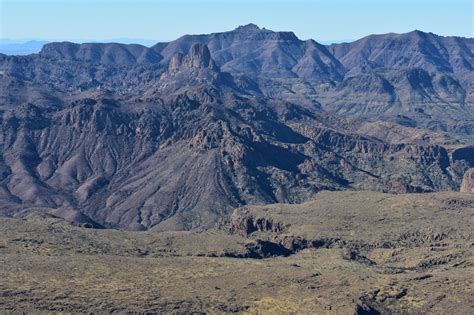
(369, 251)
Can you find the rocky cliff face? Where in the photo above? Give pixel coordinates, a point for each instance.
(175, 136)
(197, 57)
(467, 185)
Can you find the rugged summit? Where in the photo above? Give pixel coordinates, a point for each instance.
(177, 135)
(197, 57)
(251, 51)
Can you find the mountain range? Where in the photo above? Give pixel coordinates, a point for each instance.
(176, 135)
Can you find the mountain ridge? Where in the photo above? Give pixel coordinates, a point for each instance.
(175, 136)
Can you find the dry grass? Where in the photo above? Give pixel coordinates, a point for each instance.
(51, 265)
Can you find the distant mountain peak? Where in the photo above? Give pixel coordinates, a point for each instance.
(248, 28)
(254, 31)
(419, 34)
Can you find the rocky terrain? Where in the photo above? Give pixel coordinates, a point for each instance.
(175, 136)
(244, 171)
(343, 253)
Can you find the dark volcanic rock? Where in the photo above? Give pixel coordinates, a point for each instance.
(243, 223)
(265, 249)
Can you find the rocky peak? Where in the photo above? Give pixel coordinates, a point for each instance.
(248, 28)
(197, 57)
(420, 34)
(175, 62)
(253, 32)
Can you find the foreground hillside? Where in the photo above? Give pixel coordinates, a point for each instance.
(344, 252)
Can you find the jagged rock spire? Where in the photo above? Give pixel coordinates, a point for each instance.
(197, 57)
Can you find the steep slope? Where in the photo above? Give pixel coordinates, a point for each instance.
(467, 185)
(99, 134)
(418, 79)
(416, 49)
(411, 97)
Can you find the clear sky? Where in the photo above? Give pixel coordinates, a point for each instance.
(323, 20)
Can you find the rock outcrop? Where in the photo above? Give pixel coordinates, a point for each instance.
(197, 57)
(467, 185)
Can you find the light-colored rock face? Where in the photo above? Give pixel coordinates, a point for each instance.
(467, 185)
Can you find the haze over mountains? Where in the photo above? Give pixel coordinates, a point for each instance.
(33, 46)
(23, 47)
(174, 136)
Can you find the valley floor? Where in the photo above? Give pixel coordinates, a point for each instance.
(49, 265)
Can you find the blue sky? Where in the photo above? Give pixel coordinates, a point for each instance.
(323, 20)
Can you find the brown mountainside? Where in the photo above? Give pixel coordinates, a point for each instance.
(175, 136)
